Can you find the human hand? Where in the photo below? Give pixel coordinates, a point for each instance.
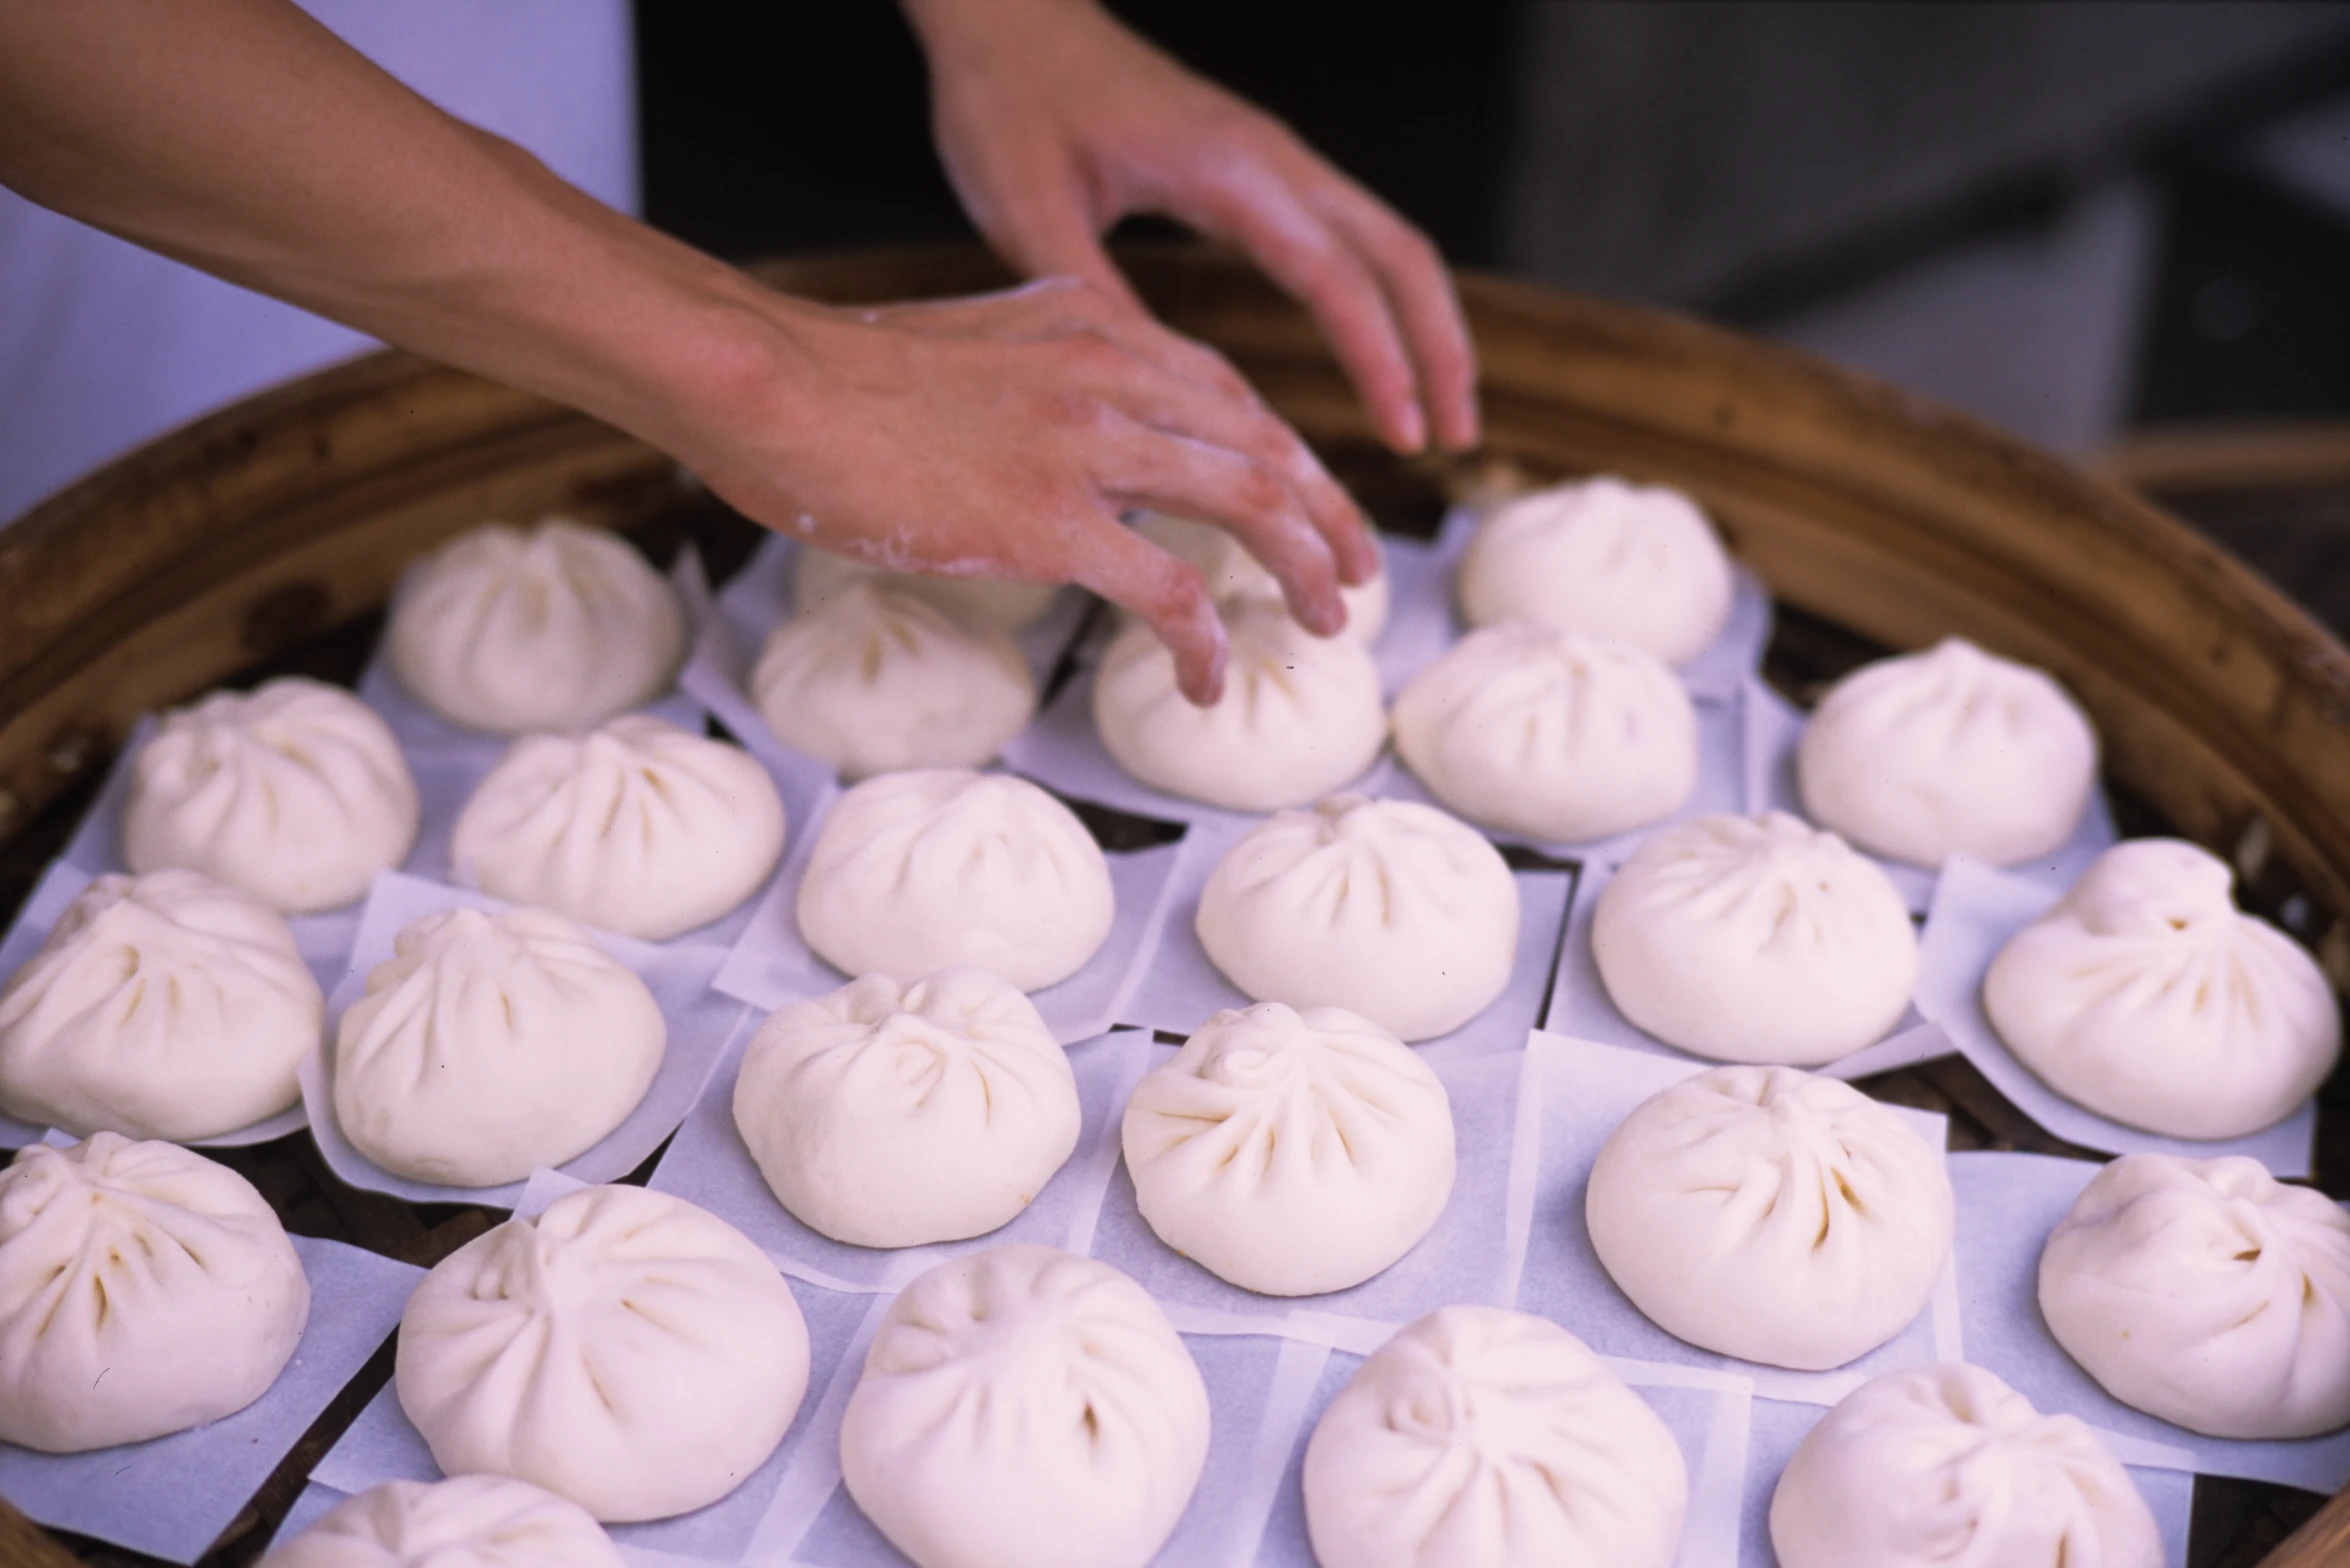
(1053, 122)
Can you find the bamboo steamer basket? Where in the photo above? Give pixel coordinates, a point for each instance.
(2221, 706)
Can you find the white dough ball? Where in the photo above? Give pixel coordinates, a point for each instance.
(878, 680)
(295, 792)
(163, 1006)
(490, 1045)
(559, 628)
(1232, 574)
(1000, 602)
(1755, 939)
(1291, 1153)
(915, 872)
(1767, 1214)
(143, 1290)
(1025, 1408)
(1602, 558)
(625, 1349)
(2147, 997)
(1952, 751)
(638, 827)
(888, 1115)
(1300, 714)
(1532, 730)
(1948, 1467)
(2207, 1293)
(471, 1521)
(1386, 908)
(1479, 1438)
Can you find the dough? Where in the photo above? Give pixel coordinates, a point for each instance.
(559, 628)
(163, 1006)
(2146, 997)
(1232, 574)
(1300, 714)
(1947, 1467)
(473, 1521)
(1755, 939)
(1768, 1214)
(987, 601)
(2207, 1293)
(490, 1045)
(1025, 1408)
(143, 1290)
(878, 680)
(294, 791)
(1560, 738)
(1604, 558)
(1384, 907)
(1291, 1153)
(1479, 1438)
(639, 827)
(624, 1349)
(915, 872)
(888, 1115)
(1952, 751)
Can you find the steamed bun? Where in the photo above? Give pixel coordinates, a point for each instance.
(638, 827)
(819, 575)
(1386, 908)
(624, 1349)
(1495, 1439)
(295, 792)
(2145, 996)
(559, 628)
(471, 1521)
(1291, 1153)
(2207, 1293)
(1233, 575)
(1952, 751)
(1768, 1214)
(163, 1006)
(143, 1290)
(1091, 1424)
(888, 1115)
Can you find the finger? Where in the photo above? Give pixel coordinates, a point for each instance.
(1138, 576)
(1420, 291)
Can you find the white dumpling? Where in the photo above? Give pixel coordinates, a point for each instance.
(1232, 574)
(1291, 1153)
(1602, 558)
(2208, 1293)
(1755, 939)
(1532, 730)
(991, 601)
(1025, 1408)
(638, 827)
(163, 1006)
(1386, 908)
(2147, 997)
(490, 1045)
(1300, 714)
(1952, 751)
(143, 1290)
(916, 872)
(295, 792)
(888, 1115)
(1480, 1438)
(876, 680)
(557, 628)
(1767, 1214)
(1947, 1467)
(469, 1521)
(624, 1349)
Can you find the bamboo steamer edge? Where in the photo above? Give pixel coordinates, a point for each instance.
(2217, 700)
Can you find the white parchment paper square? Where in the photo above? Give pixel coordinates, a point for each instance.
(312, 1504)
(1976, 909)
(172, 1496)
(1576, 1092)
(701, 1024)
